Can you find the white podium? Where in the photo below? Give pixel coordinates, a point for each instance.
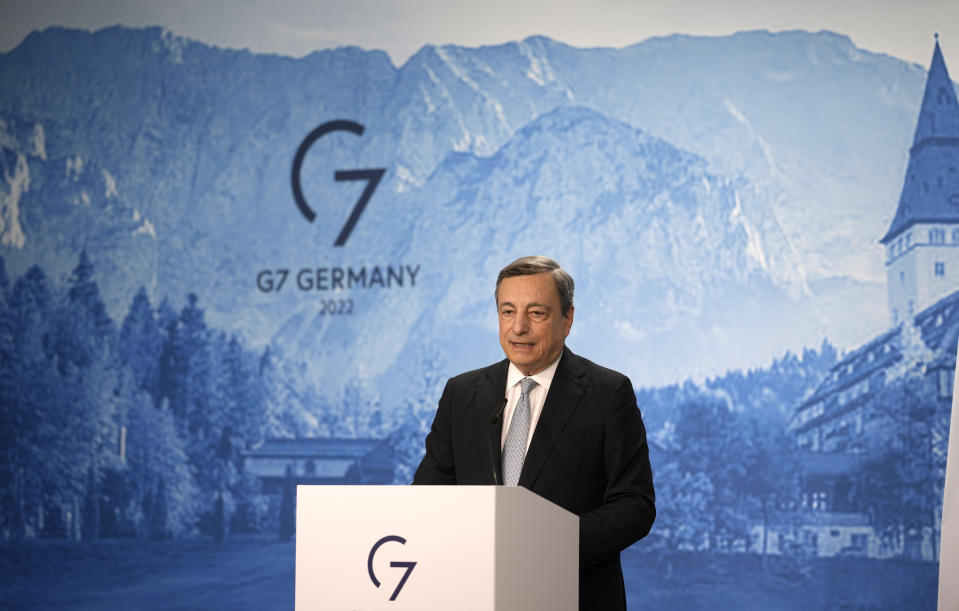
(434, 547)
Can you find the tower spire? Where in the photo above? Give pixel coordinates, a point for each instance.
(922, 258)
(938, 115)
(932, 181)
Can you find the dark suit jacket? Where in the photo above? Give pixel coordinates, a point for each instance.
(588, 454)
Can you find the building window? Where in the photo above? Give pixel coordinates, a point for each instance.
(940, 268)
(937, 236)
(895, 316)
(902, 277)
(945, 383)
(955, 232)
(912, 307)
(819, 501)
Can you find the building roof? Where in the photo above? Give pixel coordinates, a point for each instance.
(930, 193)
(314, 447)
(374, 453)
(939, 328)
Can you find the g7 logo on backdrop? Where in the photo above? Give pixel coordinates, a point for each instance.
(405, 564)
(371, 176)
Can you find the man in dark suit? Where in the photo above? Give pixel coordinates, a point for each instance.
(569, 429)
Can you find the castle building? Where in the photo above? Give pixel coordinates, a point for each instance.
(852, 417)
(922, 243)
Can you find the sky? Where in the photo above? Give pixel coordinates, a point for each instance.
(297, 27)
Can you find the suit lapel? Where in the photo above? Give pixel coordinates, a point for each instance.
(490, 392)
(564, 394)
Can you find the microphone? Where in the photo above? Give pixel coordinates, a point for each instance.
(497, 415)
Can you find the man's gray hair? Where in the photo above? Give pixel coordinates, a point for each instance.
(527, 266)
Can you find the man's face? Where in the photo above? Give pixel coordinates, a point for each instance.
(532, 328)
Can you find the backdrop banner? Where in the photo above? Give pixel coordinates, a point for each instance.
(225, 273)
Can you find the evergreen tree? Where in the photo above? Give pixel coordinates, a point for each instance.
(140, 344)
(248, 413)
(85, 348)
(169, 369)
(159, 471)
(290, 409)
(86, 328)
(772, 471)
(184, 385)
(32, 451)
(711, 443)
(245, 421)
(900, 480)
(191, 371)
(683, 508)
(8, 407)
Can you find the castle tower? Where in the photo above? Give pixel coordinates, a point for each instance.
(922, 244)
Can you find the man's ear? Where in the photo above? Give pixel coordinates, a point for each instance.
(569, 321)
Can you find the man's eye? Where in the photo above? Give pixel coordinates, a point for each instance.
(537, 314)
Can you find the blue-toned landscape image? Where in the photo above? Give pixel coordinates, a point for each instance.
(763, 229)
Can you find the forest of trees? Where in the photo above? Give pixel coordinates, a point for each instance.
(724, 461)
(138, 429)
(133, 430)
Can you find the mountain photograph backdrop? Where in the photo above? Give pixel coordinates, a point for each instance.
(719, 201)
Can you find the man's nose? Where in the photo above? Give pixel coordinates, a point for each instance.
(520, 324)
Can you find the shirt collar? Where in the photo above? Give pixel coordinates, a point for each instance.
(544, 378)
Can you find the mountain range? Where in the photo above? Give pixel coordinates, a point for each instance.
(718, 200)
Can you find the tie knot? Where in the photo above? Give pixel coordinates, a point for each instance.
(527, 384)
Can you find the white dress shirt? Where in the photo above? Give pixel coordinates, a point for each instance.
(537, 397)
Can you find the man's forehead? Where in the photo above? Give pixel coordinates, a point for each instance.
(531, 287)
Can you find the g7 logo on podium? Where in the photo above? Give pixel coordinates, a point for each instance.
(371, 176)
(405, 564)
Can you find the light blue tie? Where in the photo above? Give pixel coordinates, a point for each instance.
(514, 450)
